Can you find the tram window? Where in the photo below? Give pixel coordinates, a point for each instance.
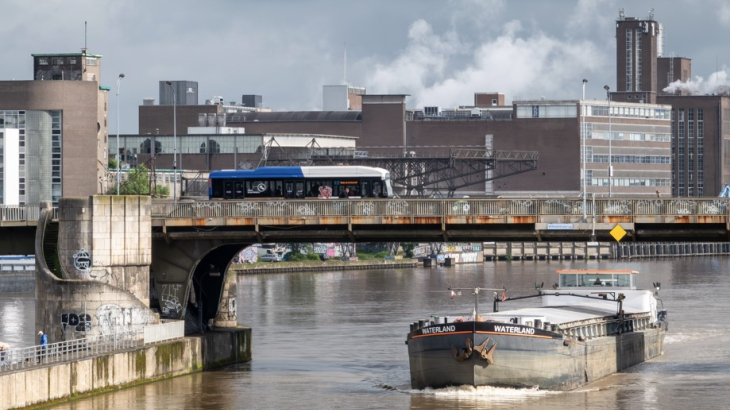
(300, 189)
(217, 186)
(278, 191)
(258, 188)
(377, 189)
(289, 189)
(365, 189)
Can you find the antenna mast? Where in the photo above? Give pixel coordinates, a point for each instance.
(84, 49)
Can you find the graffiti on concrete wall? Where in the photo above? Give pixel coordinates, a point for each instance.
(112, 317)
(231, 308)
(170, 301)
(82, 261)
(103, 275)
(80, 322)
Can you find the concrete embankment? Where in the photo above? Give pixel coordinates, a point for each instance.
(64, 381)
(312, 266)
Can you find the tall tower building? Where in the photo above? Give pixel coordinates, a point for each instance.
(186, 93)
(638, 45)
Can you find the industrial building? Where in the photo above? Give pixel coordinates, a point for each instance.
(53, 130)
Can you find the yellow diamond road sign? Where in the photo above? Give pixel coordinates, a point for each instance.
(618, 233)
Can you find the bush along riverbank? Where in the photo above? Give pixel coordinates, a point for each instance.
(318, 265)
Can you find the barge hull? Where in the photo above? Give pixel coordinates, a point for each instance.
(519, 361)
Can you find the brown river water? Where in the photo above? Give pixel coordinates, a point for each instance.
(334, 340)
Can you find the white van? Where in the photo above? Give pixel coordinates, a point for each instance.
(270, 257)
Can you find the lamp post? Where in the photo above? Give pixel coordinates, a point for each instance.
(119, 162)
(583, 146)
(610, 137)
(174, 140)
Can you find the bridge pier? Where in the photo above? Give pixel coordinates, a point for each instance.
(92, 267)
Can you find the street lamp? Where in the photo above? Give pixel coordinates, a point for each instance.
(174, 140)
(610, 163)
(119, 160)
(583, 146)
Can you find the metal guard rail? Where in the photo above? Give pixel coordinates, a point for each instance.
(440, 207)
(26, 357)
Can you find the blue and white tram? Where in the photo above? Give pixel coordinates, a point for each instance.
(300, 182)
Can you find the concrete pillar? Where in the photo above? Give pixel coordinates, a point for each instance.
(101, 284)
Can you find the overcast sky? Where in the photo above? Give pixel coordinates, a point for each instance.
(438, 51)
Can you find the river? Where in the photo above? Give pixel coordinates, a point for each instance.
(334, 340)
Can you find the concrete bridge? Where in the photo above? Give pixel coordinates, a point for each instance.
(108, 261)
(466, 219)
(453, 220)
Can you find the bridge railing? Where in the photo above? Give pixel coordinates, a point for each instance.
(443, 207)
(20, 358)
(19, 212)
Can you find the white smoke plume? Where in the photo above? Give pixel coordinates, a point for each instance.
(718, 83)
(522, 66)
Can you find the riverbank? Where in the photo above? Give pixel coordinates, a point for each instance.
(329, 265)
(63, 381)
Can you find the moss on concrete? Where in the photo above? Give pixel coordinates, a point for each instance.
(140, 363)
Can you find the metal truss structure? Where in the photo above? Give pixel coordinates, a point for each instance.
(418, 172)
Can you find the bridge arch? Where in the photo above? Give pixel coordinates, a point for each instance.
(191, 281)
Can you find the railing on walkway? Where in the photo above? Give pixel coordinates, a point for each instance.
(173, 329)
(19, 213)
(442, 207)
(21, 358)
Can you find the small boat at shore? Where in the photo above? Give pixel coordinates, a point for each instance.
(590, 324)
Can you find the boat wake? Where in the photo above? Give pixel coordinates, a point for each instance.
(476, 393)
(672, 338)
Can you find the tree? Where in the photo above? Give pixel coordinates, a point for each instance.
(112, 164)
(137, 183)
(161, 191)
(408, 248)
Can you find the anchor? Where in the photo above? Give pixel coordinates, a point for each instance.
(486, 353)
(465, 352)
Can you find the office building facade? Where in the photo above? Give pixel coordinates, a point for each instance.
(60, 117)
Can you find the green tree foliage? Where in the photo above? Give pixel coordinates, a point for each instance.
(408, 248)
(137, 183)
(112, 164)
(161, 191)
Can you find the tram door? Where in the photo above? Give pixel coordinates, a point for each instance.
(228, 190)
(238, 189)
(288, 189)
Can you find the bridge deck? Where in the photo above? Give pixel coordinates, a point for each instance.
(430, 219)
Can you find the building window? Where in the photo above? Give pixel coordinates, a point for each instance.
(629, 59)
(42, 61)
(639, 65)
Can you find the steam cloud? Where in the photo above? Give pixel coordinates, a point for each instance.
(520, 66)
(718, 83)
